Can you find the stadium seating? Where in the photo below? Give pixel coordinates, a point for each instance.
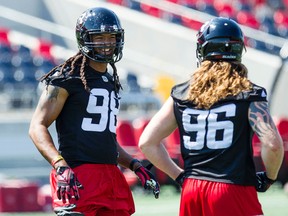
(20, 69)
(267, 16)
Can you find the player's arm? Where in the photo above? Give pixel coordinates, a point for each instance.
(147, 179)
(49, 106)
(124, 158)
(160, 126)
(272, 150)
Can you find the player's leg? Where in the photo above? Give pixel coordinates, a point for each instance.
(228, 199)
(205, 198)
(120, 202)
(104, 186)
(190, 204)
(109, 212)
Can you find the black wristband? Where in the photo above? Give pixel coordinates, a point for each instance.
(180, 178)
(61, 169)
(132, 163)
(270, 181)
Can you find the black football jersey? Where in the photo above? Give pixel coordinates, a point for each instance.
(86, 126)
(216, 144)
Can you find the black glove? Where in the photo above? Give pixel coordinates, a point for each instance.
(67, 184)
(263, 182)
(180, 179)
(148, 180)
(67, 210)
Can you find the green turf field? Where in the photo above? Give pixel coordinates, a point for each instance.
(274, 203)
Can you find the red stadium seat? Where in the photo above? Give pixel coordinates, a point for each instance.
(248, 19)
(28, 194)
(130, 177)
(191, 23)
(19, 196)
(4, 39)
(125, 133)
(224, 9)
(119, 2)
(8, 198)
(139, 126)
(256, 146)
(282, 125)
(44, 49)
(150, 10)
(280, 18)
(126, 137)
(45, 198)
(173, 1)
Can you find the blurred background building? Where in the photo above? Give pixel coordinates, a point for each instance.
(160, 44)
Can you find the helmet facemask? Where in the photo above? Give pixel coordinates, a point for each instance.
(95, 22)
(102, 51)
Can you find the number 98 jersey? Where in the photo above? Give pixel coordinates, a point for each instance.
(216, 143)
(86, 126)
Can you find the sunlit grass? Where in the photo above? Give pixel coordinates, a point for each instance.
(274, 203)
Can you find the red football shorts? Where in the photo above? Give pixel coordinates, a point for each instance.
(206, 198)
(105, 191)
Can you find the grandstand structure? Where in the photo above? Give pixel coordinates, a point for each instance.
(160, 36)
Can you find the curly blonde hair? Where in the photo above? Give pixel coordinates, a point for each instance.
(215, 80)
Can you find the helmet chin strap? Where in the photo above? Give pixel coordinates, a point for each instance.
(198, 57)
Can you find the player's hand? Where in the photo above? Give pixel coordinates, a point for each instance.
(67, 184)
(148, 180)
(180, 179)
(263, 182)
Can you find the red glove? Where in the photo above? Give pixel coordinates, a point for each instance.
(67, 184)
(148, 180)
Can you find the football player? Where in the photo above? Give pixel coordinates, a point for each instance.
(83, 99)
(217, 112)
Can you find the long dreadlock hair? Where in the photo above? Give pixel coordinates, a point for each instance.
(80, 60)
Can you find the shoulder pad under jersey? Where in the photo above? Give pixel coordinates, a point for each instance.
(57, 77)
(257, 93)
(180, 91)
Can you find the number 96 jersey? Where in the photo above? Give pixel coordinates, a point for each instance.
(216, 143)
